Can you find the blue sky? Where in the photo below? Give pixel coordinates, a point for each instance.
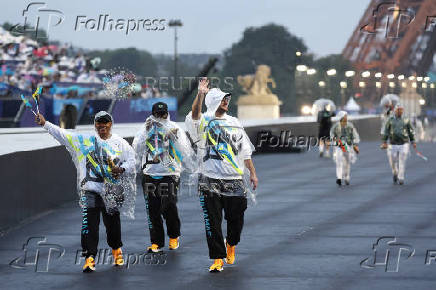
(208, 26)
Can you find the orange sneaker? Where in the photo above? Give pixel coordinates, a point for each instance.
(174, 244)
(230, 259)
(217, 266)
(154, 248)
(118, 257)
(89, 265)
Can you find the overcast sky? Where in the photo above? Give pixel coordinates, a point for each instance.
(208, 26)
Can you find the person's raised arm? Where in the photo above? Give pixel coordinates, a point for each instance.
(61, 135)
(203, 89)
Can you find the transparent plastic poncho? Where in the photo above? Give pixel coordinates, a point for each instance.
(164, 145)
(94, 159)
(223, 144)
(322, 104)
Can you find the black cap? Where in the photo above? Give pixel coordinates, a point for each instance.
(159, 107)
(103, 117)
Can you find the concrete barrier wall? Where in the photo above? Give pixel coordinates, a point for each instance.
(33, 182)
(368, 128)
(36, 181)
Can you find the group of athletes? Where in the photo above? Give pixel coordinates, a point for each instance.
(216, 148)
(397, 133)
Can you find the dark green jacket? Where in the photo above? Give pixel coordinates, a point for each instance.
(347, 134)
(398, 131)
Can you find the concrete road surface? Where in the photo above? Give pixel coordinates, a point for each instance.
(304, 233)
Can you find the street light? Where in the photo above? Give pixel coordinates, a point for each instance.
(311, 71)
(331, 72)
(301, 67)
(175, 23)
(366, 74)
(350, 73)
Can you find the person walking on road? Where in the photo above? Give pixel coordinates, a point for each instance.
(346, 139)
(161, 146)
(399, 133)
(105, 166)
(224, 151)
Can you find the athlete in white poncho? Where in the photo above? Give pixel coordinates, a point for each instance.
(224, 151)
(105, 166)
(346, 140)
(162, 151)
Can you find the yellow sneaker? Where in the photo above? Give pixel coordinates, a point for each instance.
(118, 257)
(174, 244)
(217, 266)
(89, 265)
(154, 248)
(230, 259)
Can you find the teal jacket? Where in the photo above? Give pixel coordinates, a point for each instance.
(398, 131)
(348, 133)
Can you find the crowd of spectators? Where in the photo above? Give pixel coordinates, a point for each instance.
(62, 70)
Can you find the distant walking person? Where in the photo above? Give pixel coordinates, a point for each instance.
(399, 133)
(346, 139)
(325, 124)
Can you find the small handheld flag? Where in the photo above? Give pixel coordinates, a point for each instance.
(419, 154)
(35, 96)
(27, 104)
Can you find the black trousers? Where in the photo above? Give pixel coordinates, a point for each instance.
(91, 223)
(161, 201)
(213, 205)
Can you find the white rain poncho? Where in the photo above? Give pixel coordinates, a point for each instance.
(386, 102)
(94, 158)
(344, 138)
(222, 146)
(162, 148)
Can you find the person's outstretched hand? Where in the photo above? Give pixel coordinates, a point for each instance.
(203, 86)
(39, 119)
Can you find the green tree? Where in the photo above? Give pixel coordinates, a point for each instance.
(274, 46)
(139, 62)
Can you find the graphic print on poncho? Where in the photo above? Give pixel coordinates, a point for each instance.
(222, 142)
(160, 145)
(100, 159)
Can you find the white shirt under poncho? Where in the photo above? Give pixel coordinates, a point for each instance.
(222, 142)
(120, 149)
